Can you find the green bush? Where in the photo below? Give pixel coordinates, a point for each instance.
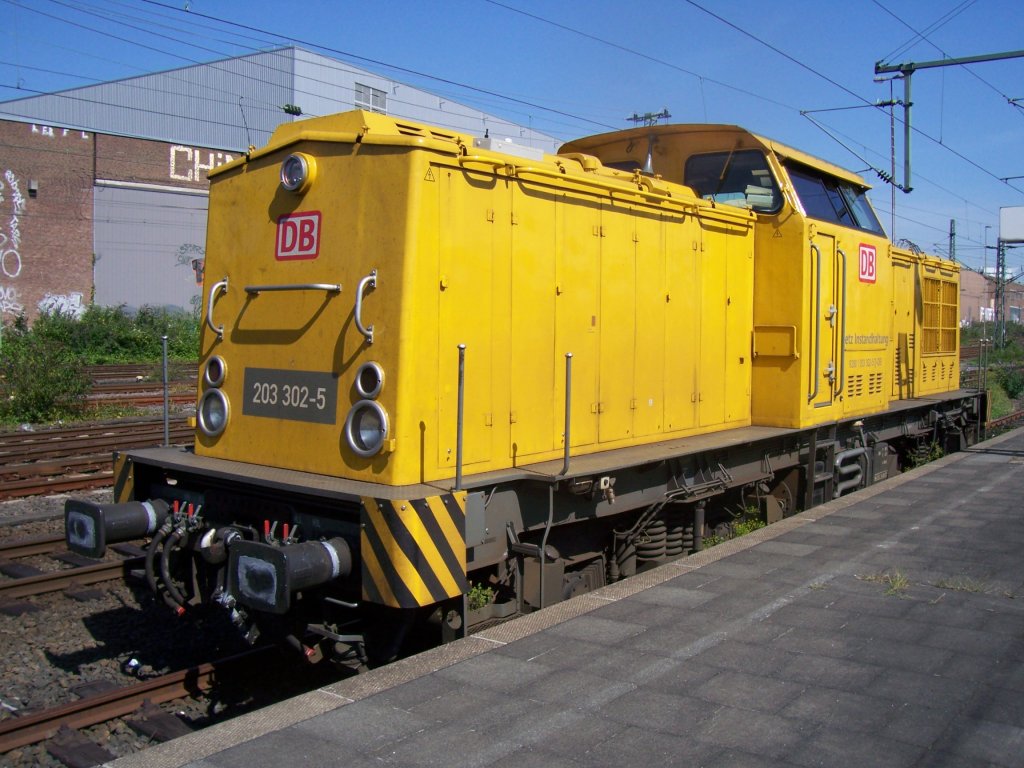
(41, 379)
(1012, 381)
(42, 376)
(114, 335)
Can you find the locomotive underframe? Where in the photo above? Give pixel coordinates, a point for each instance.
(533, 533)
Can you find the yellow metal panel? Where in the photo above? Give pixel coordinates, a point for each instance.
(775, 340)
(577, 304)
(683, 324)
(534, 239)
(904, 270)
(867, 354)
(714, 295)
(473, 232)
(738, 322)
(618, 314)
(648, 401)
(413, 551)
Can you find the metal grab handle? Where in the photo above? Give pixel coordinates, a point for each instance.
(842, 331)
(369, 281)
(218, 286)
(817, 325)
(329, 287)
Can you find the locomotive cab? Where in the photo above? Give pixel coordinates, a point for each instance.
(825, 341)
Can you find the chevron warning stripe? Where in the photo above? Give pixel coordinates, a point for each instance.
(413, 551)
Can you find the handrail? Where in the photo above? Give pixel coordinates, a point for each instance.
(817, 325)
(371, 281)
(219, 285)
(598, 183)
(493, 161)
(842, 332)
(568, 414)
(329, 287)
(459, 421)
(651, 193)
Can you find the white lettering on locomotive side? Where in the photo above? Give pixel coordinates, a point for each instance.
(868, 263)
(298, 236)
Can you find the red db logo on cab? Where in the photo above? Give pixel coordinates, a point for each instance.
(868, 263)
(298, 236)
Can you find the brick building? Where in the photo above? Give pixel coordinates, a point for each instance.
(103, 189)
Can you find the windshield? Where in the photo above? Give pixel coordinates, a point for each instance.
(740, 178)
(830, 199)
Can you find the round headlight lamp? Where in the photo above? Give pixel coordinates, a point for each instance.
(212, 413)
(215, 371)
(366, 428)
(297, 172)
(369, 380)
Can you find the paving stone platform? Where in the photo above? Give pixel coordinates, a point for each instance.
(882, 629)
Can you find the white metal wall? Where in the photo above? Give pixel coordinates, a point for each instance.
(149, 246)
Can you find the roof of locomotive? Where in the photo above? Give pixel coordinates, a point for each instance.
(697, 134)
(351, 127)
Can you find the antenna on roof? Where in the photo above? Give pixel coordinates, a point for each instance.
(248, 140)
(649, 118)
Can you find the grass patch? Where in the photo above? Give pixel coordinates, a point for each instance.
(895, 581)
(961, 584)
(747, 522)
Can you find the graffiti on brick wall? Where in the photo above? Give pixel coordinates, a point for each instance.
(10, 302)
(10, 234)
(12, 208)
(187, 163)
(52, 133)
(64, 304)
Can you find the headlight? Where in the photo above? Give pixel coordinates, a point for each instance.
(298, 172)
(213, 412)
(369, 380)
(215, 371)
(366, 428)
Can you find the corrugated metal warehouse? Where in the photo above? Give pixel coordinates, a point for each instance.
(103, 188)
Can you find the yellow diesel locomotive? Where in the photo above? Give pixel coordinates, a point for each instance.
(431, 361)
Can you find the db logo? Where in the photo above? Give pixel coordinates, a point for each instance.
(868, 263)
(298, 236)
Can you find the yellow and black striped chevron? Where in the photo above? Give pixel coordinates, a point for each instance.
(413, 551)
(124, 478)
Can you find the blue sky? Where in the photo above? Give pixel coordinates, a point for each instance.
(584, 67)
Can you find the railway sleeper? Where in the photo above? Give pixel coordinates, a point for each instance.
(77, 751)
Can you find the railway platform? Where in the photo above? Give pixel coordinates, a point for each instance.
(885, 628)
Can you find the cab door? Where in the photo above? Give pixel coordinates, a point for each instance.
(826, 321)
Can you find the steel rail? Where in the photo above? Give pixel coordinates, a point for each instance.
(54, 581)
(30, 546)
(20, 731)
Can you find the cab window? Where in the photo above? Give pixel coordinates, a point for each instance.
(740, 178)
(830, 199)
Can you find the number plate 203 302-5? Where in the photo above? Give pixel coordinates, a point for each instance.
(296, 395)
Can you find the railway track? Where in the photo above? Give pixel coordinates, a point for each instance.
(123, 701)
(76, 458)
(26, 580)
(79, 576)
(1006, 422)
